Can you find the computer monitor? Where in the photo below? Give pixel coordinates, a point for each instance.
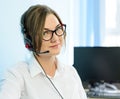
(96, 64)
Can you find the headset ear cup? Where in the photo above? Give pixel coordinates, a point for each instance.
(28, 44)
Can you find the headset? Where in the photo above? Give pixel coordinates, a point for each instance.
(28, 43)
(27, 37)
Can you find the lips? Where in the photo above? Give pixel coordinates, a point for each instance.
(55, 46)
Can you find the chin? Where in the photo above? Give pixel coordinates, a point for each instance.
(56, 53)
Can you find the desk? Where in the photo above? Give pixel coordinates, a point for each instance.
(91, 95)
(97, 98)
(103, 98)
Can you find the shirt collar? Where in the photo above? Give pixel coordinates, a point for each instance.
(36, 69)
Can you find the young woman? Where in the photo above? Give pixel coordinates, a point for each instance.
(43, 76)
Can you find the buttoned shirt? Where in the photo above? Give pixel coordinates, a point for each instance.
(28, 81)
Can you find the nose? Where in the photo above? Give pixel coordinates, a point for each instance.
(54, 37)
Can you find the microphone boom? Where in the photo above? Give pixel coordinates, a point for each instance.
(45, 52)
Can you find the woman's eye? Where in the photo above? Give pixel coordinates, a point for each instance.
(46, 32)
(59, 29)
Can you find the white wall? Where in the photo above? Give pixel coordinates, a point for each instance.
(12, 47)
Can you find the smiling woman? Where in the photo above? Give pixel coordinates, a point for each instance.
(11, 39)
(43, 75)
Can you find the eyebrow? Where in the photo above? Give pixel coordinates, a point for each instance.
(55, 27)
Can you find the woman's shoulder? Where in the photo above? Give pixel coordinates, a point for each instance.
(20, 66)
(18, 69)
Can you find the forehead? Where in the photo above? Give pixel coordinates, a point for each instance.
(51, 21)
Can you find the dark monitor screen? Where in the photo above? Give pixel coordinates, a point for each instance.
(97, 63)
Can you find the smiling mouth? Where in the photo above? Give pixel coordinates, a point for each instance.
(55, 46)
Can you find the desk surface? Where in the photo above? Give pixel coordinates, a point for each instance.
(92, 95)
(103, 98)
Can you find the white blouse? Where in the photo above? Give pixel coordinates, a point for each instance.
(28, 81)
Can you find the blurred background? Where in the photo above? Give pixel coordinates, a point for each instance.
(89, 23)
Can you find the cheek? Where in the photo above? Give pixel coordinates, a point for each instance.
(62, 40)
(44, 45)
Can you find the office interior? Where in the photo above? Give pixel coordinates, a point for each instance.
(90, 23)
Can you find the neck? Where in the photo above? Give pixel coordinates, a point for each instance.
(48, 64)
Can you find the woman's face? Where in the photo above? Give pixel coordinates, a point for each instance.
(55, 44)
